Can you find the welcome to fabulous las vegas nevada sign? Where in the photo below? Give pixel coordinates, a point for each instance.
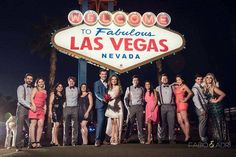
(118, 41)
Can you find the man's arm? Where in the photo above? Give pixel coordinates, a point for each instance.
(20, 96)
(126, 98)
(196, 100)
(97, 92)
(158, 96)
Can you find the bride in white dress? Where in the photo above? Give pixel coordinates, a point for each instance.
(114, 110)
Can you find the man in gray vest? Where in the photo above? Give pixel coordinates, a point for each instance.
(200, 103)
(134, 101)
(70, 112)
(167, 107)
(23, 106)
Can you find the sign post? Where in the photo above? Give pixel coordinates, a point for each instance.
(111, 8)
(82, 64)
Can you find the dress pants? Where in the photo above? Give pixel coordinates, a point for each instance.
(135, 111)
(70, 118)
(168, 113)
(22, 121)
(202, 126)
(101, 124)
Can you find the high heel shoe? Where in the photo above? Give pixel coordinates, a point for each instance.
(149, 141)
(114, 141)
(187, 139)
(32, 145)
(57, 144)
(52, 144)
(38, 145)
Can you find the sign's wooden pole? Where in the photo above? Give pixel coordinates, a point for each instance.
(82, 64)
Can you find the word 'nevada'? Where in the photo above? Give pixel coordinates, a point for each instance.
(120, 44)
(120, 56)
(119, 18)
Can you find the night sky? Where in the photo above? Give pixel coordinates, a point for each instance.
(209, 29)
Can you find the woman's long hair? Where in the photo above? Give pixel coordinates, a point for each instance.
(37, 81)
(80, 91)
(210, 87)
(62, 92)
(181, 77)
(151, 88)
(110, 86)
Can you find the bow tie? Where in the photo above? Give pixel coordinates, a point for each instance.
(28, 86)
(72, 87)
(165, 86)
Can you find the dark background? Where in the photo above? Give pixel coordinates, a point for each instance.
(209, 28)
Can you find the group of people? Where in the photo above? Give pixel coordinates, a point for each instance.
(161, 105)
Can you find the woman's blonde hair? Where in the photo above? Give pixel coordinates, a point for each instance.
(214, 83)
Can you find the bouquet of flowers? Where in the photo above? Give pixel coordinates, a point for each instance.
(107, 98)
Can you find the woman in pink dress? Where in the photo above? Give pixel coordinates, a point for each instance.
(182, 95)
(38, 100)
(151, 111)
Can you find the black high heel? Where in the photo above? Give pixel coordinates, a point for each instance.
(149, 141)
(32, 146)
(38, 145)
(52, 144)
(187, 140)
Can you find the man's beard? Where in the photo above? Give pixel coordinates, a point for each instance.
(29, 83)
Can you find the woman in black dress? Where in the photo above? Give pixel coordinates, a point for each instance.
(85, 107)
(215, 95)
(57, 100)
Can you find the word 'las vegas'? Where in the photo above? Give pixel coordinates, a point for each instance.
(120, 43)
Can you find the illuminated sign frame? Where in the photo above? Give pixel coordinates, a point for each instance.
(167, 41)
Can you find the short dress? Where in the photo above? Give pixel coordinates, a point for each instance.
(83, 107)
(179, 97)
(39, 101)
(57, 108)
(149, 115)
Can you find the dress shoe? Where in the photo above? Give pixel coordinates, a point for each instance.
(97, 144)
(106, 143)
(172, 142)
(142, 141)
(160, 142)
(18, 149)
(125, 141)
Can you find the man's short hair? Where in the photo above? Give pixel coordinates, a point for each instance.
(135, 76)
(72, 78)
(197, 75)
(164, 74)
(102, 70)
(28, 74)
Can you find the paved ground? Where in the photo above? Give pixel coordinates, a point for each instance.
(133, 150)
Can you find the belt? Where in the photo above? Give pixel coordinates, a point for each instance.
(169, 104)
(72, 106)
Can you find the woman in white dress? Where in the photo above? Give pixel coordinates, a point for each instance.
(114, 110)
